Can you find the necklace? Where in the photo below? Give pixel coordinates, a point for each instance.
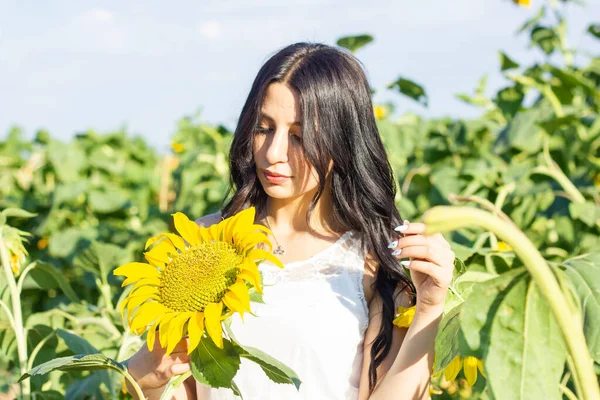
(279, 250)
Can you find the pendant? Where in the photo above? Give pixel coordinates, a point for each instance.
(279, 250)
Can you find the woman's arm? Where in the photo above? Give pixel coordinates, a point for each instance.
(406, 371)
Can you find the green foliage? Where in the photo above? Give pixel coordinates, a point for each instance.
(86, 206)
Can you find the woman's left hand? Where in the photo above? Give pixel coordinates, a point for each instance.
(431, 264)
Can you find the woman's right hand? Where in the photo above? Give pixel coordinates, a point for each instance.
(152, 370)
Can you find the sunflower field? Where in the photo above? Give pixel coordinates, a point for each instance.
(517, 192)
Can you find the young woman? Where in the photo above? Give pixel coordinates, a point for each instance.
(307, 154)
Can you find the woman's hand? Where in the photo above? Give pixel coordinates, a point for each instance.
(152, 370)
(431, 264)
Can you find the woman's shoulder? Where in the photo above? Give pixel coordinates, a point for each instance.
(209, 219)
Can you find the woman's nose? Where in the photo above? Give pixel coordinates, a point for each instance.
(277, 148)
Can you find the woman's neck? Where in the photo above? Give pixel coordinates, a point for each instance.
(288, 216)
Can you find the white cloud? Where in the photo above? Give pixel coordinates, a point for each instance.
(96, 16)
(99, 30)
(210, 29)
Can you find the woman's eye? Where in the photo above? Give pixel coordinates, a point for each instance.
(263, 130)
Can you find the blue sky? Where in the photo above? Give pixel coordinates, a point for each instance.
(67, 66)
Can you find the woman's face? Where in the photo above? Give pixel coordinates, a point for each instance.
(278, 151)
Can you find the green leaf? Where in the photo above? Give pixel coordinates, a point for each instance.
(588, 213)
(48, 277)
(506, 62)
(277, 371)
(507, 322)
(594, 29)
(85, 362)
(509, 100)
(214, 365)
(446, 341)
(584, 274)
(16, 213)
(107, 201)
(410, 89)
(67, 160)
(353, 43)
(100, 258)
(545, 38)
(79, 345)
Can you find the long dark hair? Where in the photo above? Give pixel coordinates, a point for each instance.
(335, 100)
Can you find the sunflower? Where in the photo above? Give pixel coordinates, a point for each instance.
(405, 316)
(469, 364)
(198, 278)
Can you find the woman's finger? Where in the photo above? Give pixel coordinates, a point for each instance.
(413, 240)
(411, 228)
(439, 275)
(178, 369)
(437, 255)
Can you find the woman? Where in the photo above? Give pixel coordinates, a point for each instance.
(307, 154)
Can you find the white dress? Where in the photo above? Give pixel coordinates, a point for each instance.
(313, 320)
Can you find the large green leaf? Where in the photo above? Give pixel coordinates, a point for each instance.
(214, 365)
(584, 274)
(277, 371)
(48, 277)
(79, 345)
(507, 322)
(85, 362)
(446, 341)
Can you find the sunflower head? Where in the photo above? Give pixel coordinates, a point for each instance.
(194, 280)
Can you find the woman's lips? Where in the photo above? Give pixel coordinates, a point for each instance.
(275, 178)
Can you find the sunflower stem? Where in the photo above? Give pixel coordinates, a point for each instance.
(138, 391)
(173, 384)
(447, 218)
(17, 315)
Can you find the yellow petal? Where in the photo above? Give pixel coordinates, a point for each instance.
(143, 291)
(233, 303)
(212, 321)
(249, 272)
(137, 270)
(176, 330)
(452, 369)
(146, 314)
(405, 316)
(163, 330)
(152, 240)
(159, 254)
(151, 336)
(134, 302)
(203, 234)
(141, 281)
(195, 331)
(240, 290)
(470, 369)
(259, 254)
(251, 239)
(214, 232)
(480, 367)
(246, 217)
(186, 228)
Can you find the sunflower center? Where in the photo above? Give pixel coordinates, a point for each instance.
(198, 276)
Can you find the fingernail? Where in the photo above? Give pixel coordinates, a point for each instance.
(396, 252)
(393, 244)
(405, 263)
(402, 227)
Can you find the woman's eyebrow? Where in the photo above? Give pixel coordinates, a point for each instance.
(266, 116)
